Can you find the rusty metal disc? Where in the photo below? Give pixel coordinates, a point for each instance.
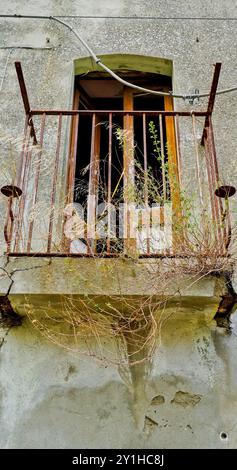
(225, 191)
(11, 191)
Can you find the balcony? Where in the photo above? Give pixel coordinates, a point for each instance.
(107, 183)
(172, 225)
(116, 215)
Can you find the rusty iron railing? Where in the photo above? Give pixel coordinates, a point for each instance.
(41, 200)
(36, 218)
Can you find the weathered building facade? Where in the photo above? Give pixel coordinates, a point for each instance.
(127, 344)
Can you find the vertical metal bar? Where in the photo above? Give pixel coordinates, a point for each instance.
(91, 192)
(24, 195)
(71, 170)
(8, 235)
(22, 181)
(146, 196)
(210, 184)
(36, 185)
(213, 186)
(25, 99)
(197, 160)
(211, 134)
(145, 158)
(109, 181)
(219, 203)
(18, 179)
(212, 97)
(71, 166)
(227, 236)
(53, 193)
(162, 158)
(164, 176)
(72, 158)
(179, 160)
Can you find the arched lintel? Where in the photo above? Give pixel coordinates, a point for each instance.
(124, 62)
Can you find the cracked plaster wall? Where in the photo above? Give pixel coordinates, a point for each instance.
(50, 398)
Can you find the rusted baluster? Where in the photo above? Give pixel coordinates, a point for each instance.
(53, 193)
(10, 217)
(66, 245)
(21, 184)
(214, 157)
(90, 205)
(146, 196)
(212, 186)
(36, 185)
(218, 201)
(25, 185)
(162, 147)
(164, 175)
(22, 154)
(197, 160)
(93, 185)
(210, 183)
(177, 135)
(216, 183)
(109, 181)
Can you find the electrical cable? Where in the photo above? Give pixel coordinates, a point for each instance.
(124, 82)
(139, 17)
(110, 72)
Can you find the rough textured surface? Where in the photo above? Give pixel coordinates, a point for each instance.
(105, 276)
(48, 397)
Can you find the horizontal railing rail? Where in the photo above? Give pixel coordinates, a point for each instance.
(55, 112)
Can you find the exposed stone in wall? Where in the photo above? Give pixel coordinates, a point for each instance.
(158, 400)
(185, 399)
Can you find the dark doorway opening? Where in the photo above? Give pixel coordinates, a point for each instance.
(99, 92)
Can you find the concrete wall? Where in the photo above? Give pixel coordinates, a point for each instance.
(49, 397)
(53, 399)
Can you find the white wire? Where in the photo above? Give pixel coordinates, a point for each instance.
(131, 85)
(113, 74)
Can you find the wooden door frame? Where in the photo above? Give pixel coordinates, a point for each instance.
(173, 170)
(128, 170)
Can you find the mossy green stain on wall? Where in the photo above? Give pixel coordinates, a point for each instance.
(137, 62)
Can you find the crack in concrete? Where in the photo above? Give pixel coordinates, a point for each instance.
(11, 273)
(28, 269)
(9, 277)
(9, 317)
(3, 339)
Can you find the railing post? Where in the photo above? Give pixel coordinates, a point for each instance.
(71, 165)
(36, 183)
(53, 193)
